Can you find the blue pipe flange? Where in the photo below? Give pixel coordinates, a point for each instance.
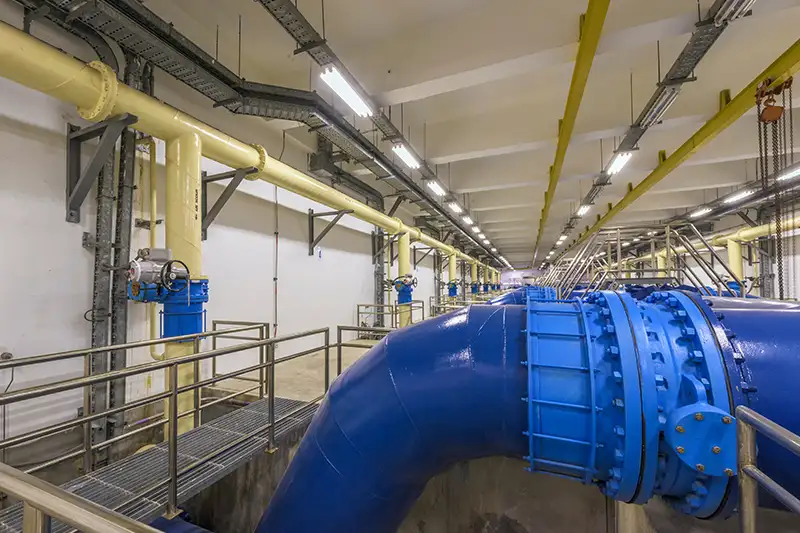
(697, 455)
(474, 288)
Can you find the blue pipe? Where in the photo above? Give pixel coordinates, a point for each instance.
(516, 297)
(633, 397)
(379, 435)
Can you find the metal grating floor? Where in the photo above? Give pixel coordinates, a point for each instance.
(116, 486)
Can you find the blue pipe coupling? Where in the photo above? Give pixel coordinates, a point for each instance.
(452, 289)
(632, 397)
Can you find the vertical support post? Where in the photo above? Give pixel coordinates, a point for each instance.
(183, 226)
(404, 268)
(452, 275)
(263, 332)
(34, 520)
(748, 487)
(473, 276)
(196, 377)
(735, 260)
(172, 496)
(271, 399)
(619, 252)
(668, 258)
(88, 455)
(327, 359)
(338, 351)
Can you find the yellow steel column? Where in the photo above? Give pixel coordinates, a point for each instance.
(452, 272)
(183, 226)
(661, 265)
(473, 275)
(735, 261)
(404, 268)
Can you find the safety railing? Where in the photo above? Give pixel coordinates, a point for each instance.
(265, 386)
(415, 307)
(375, 314)
(262, 332)
(372, 332)
(749, 423)
(43, 501)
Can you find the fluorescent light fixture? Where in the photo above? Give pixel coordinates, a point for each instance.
(486, 242)
(436, 188)
(700, 212)
(789, 173)
(651, 233)
(637, 239)
(336, 81)
(494, 249)
(481, 236)
(741, 195)
(582, 210)
(468, 221)
(562, 238)
(732, 10)
(659, 108)
(408, 158)
(618, 163)
(625, 244)
(476, 229)
(455, 208)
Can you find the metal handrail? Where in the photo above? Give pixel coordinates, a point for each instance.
(42, 500)
(357, 329)
(265, 366)
(749, 423)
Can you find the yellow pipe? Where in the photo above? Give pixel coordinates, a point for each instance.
(403, 269)
(183, 227)
(735, 261)
(473, 272)
(592, 27)
(779, 71)
(661, 265)
(452, 271)
(94, 90)
(152, 179)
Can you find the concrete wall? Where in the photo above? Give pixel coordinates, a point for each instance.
(46, 276)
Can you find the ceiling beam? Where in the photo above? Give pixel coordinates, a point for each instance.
(780, 70)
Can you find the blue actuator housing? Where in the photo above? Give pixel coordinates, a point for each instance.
(183, 312)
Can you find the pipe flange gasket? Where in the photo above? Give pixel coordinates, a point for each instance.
(262, 162)
(108, 94)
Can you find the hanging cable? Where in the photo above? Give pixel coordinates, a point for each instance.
(275, 258)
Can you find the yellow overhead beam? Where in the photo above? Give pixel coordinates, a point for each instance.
(94, 90)
(779, 71)
(591, 28)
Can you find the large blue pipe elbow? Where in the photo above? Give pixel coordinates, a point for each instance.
(442, 391)
(637, 398)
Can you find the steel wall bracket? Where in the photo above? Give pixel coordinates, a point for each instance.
(236, 177)
(314, 241)
(79, 182)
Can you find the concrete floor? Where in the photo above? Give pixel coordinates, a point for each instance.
(302, 378)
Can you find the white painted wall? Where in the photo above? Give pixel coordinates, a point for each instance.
(46, 276)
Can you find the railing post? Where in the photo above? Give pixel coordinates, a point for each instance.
(88, 454)
(34, 520)
(271, 399)
(172, 496)
(327, 359)
(338, 350)
(261, 360)
(196, 390)
(748, 487)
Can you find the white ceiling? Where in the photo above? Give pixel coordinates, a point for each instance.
(483, 83)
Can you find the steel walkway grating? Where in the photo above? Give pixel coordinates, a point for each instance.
(122, 485)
